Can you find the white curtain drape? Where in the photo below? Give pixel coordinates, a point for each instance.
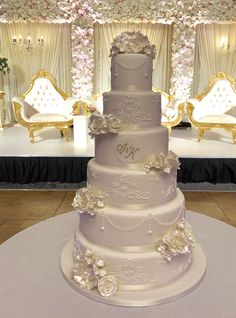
(210, 55)
(55, 56)
(159, 34)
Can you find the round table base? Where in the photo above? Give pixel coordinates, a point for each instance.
(173, 291)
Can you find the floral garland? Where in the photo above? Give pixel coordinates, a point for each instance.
(184, 14)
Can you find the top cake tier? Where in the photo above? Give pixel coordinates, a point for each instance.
(131, 72)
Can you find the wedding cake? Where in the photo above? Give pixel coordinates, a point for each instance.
(132, 246)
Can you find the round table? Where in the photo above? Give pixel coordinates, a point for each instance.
(32, 285)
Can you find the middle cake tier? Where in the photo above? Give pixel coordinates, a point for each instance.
(130, 148)
(120, 228)
(136, 110)
(131, 189)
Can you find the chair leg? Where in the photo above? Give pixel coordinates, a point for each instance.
(31, 134)
(234, 135)
(200, 134)
(66, 133)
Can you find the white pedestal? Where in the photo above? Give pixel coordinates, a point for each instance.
(2, 113)
(80, 124)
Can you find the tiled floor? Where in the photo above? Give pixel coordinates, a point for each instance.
(20, 209)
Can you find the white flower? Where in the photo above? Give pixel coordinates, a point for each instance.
(102, 124)
(87, 201)
(107, 286)
(113, 123)
(156, 162)
(176, 241)
(161, 162)
(132, 42)
(97, 124)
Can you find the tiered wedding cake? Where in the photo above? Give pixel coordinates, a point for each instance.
(132, 246)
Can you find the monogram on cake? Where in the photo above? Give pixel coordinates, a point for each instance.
(132, 246)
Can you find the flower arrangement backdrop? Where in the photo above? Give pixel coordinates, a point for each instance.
(184, 14)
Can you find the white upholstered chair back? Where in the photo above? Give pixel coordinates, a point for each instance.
(220, 98)
(45, 96)
(164, 101)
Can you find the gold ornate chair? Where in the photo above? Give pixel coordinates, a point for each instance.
(86, 106)
(172, 109)
(44, 104)
(215, 107)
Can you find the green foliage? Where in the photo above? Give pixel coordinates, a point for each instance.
(4, 68)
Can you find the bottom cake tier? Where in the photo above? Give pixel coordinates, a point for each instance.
(139, 283)
(137, 270)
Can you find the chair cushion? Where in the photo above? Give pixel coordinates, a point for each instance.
(170, 113)
(221, 119)
(48, 117)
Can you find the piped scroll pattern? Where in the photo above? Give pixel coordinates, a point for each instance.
(92, 174)
(130, 109)
(103, 124)
(125, 188)
(131, 271)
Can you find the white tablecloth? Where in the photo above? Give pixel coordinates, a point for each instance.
(32, 286)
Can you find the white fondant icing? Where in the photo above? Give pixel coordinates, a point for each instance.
(140, 206)
(131, 72)
(148, 142)
(130, 188)
(146, 267)
(130, 228)
(136, 110)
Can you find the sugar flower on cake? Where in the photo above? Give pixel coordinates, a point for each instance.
(132, 42)
(107, 286)
(103, 124)
(90, 272)
(177, 241)
(160, 162)
(88, 201)
(97, 124)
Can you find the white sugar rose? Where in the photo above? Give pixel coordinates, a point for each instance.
(132, 42)
(107, 286)
(113, 124)
(97, 125)
(177, 242)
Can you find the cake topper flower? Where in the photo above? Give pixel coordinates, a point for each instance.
(88, 201)
(103, 124)
(176, 241)
(90, 272)
(132, 42)
(160, 162)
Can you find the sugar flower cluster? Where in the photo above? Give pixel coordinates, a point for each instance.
(132, 42)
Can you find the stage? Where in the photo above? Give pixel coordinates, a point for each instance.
(53, 159)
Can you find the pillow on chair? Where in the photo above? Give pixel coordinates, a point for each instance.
(231, 112)
(29, 110)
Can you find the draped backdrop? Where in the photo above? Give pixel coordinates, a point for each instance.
(210, 56)
(54, 56)
(159, 34)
